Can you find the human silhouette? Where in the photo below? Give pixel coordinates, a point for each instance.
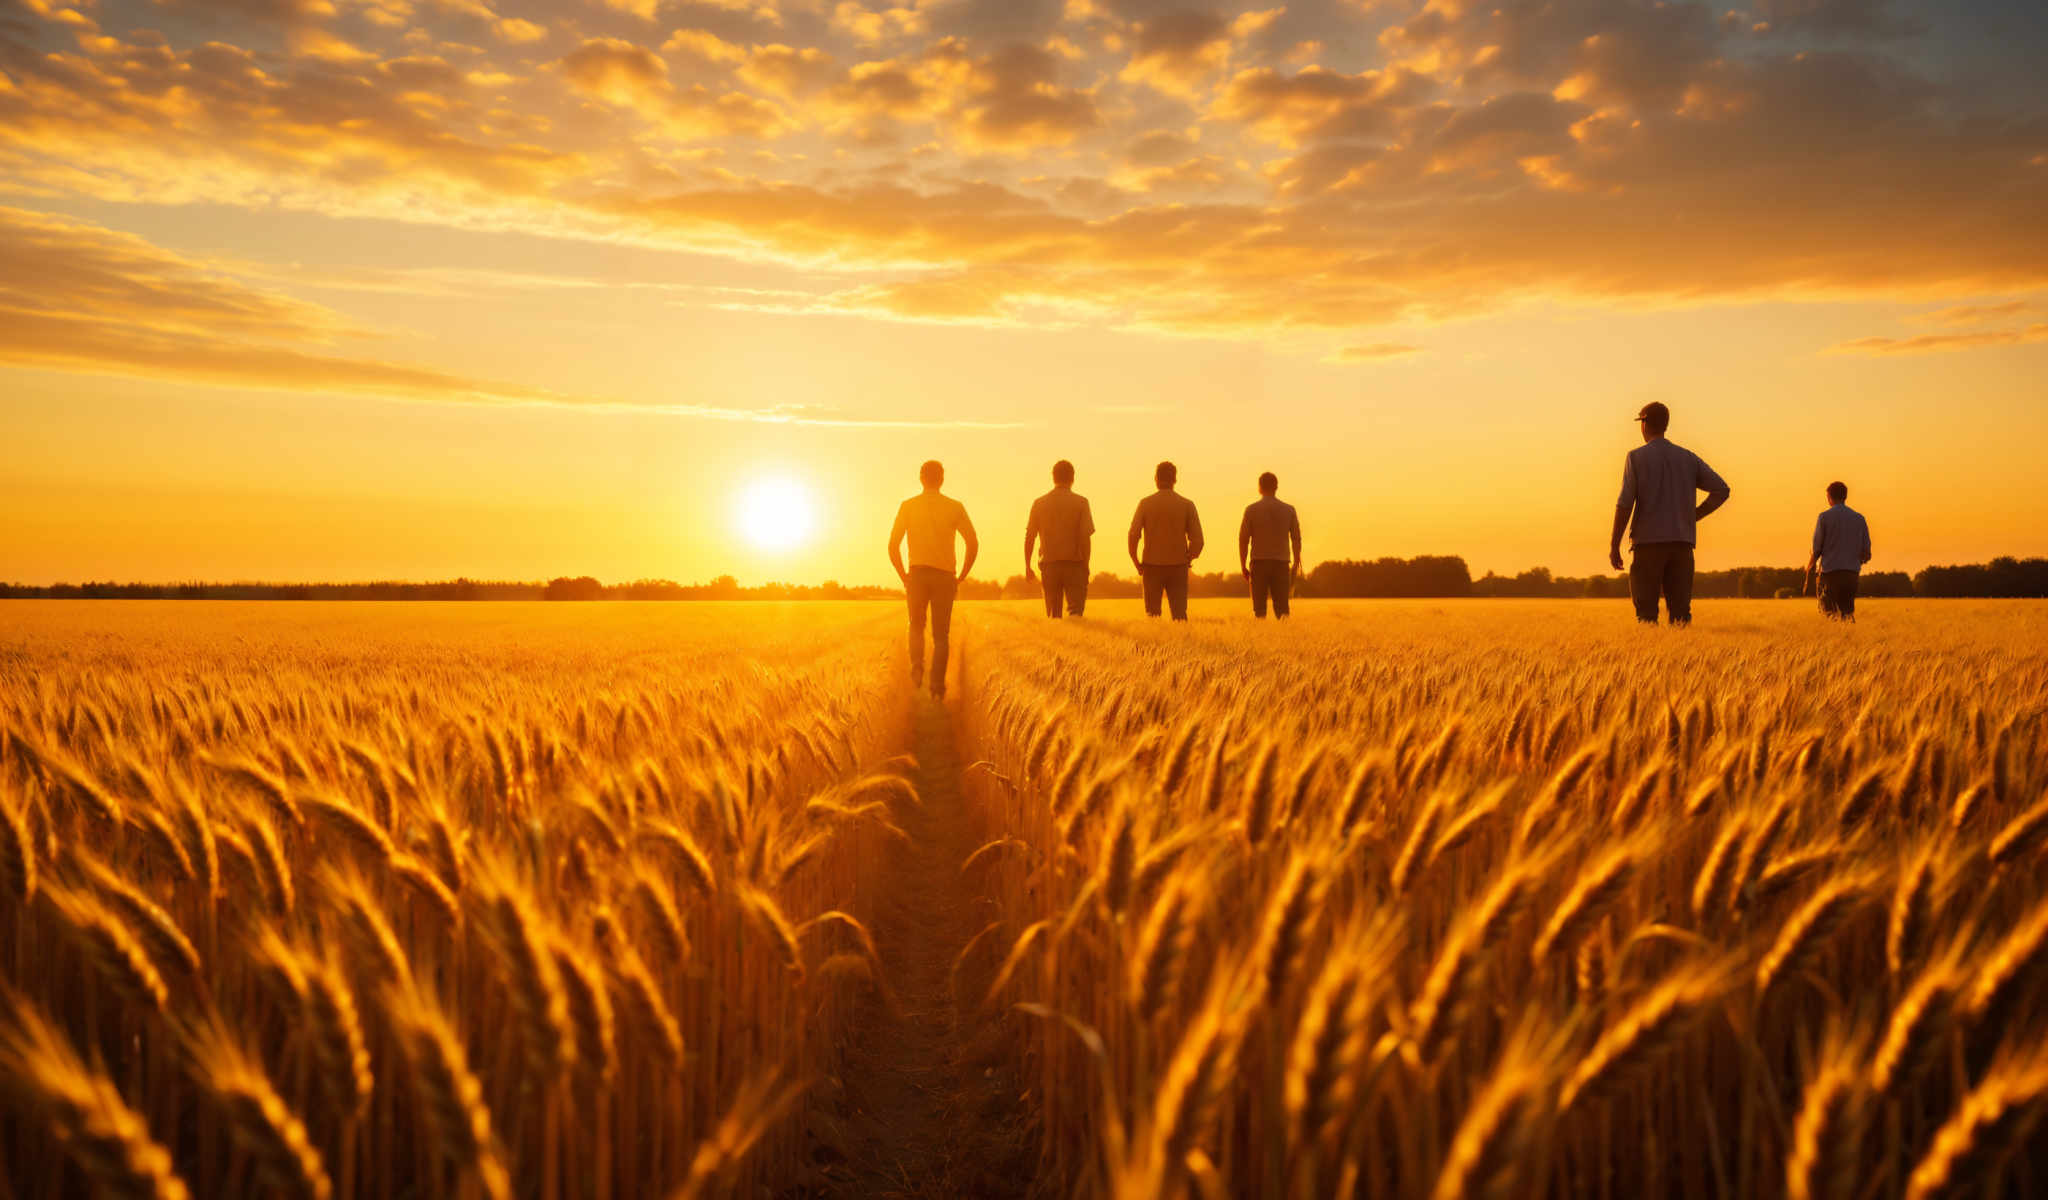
(1659, 480)
(1269, 528)
(929, 520)
(1841, 545)
(1172, 533)
(1062, 526)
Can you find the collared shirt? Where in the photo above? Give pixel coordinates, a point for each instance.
(1841, 539)
(1269, 528)
(1658, 482)
(1061, 522)
(931, 520)
(1173, 532)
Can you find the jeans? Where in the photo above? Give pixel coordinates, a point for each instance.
(930, 588)
(1064, 580)
(1838, 594)
(1270, 577)
(1173, 581)
(1662, 568)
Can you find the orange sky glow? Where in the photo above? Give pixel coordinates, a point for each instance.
(359, 289)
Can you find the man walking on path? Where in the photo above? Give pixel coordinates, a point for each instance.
(1841, 545)
(1659, 482)
(1172, 533)
(1061, 525)
(930, 520)
(1270, 527)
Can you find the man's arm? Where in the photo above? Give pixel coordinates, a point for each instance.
(1714, 486)
(1866, 541)
(1294, 536)
(1030, 536)
(1087, 538)
(1244, 543)
(1137, 527)
(973, 543)
(896, 532)
(1820, 526)
(1194, 533)
(1622, 509)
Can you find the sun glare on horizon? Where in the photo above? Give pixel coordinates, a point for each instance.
(776, 513)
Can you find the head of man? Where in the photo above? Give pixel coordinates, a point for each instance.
(932, 475)
(1165, 475)
(1838, 492)
(1063, 473)
(1655, 419)
(1268, 484)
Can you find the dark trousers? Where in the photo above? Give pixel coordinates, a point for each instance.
(1662, 569)
(930, 588)
(1838, 594)
(1270, 577)
(1173, 583)
(1064, 581)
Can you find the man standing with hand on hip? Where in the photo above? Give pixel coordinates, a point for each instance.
(1659, 484)
(929, 520)
(1270, 527)
(1172, 533)
(1062, 526)
(1841, 545)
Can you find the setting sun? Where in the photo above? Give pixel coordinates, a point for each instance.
(776, 514)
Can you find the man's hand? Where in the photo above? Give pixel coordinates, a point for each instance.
(1030, 576)
(1244, 570)
(1614, 558)
(903, 576)
(1806, 588)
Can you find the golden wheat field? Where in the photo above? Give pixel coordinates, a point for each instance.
(1398, 899)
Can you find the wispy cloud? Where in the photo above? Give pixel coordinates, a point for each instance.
(1373, 352)
(1937, 343)
(1972, 314)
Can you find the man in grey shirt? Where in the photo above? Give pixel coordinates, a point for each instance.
(1172, 533)
(1841, 545)
(1270, 527)
(1061, 525)
(1659, 482)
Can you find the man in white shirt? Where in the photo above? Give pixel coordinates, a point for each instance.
(928, 521)
(1660, 481)
(1841, 545)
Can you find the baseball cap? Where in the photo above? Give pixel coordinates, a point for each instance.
(1653, 411)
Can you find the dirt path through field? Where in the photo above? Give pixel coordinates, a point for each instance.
(926, 1113)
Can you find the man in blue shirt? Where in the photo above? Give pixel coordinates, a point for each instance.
(1841, 545)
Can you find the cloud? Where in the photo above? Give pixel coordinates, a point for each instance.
(79, 297)
(1938, 343)
(84, 298)
(1019, 161)
(632, 76)
(1373, 352)
(1972, 314)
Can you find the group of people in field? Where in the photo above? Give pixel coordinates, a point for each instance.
(1659, 511)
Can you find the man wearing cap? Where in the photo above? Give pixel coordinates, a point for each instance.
(928, 521)
(1172, 533)
(1659, 484)
(1061, 525)
(1841, 545)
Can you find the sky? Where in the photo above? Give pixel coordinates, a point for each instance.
(510, 289)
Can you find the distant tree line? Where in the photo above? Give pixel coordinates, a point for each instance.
(1426, 577)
